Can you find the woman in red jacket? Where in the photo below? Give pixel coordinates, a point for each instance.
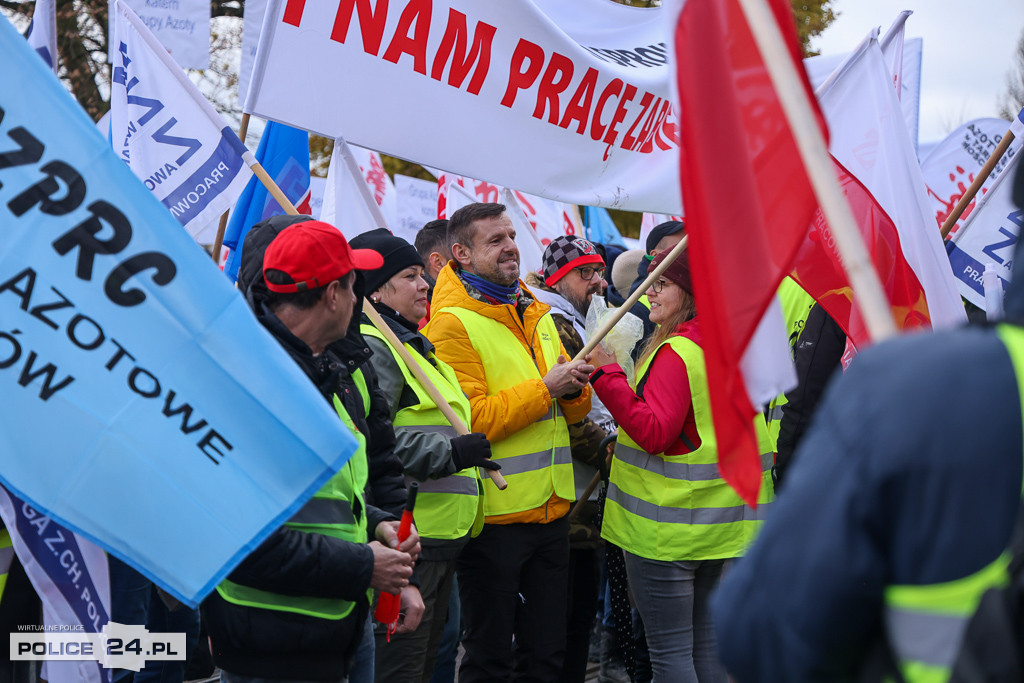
(677, 521)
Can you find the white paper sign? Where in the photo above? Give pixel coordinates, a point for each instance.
(182, 26)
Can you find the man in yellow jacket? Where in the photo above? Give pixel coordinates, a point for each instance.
(523, 392)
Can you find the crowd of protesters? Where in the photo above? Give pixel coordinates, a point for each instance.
(570, 509)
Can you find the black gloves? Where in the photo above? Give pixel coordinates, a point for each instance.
(472, 450)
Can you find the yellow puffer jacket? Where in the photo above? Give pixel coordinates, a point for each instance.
(508, 411)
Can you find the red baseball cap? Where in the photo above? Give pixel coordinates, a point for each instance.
(313, 254)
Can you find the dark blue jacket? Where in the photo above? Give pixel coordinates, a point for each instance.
(910, 474)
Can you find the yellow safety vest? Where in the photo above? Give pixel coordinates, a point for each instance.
(678, 507)
(329, 512)
(925, 624)
(448, 507)
(535, 461)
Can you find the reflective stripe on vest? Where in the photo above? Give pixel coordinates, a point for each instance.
(678, 507)
(535, 461)
(446, 508)
(6, 558)
(329, 512)
(925, 624)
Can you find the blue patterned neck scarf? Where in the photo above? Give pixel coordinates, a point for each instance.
(499, 293)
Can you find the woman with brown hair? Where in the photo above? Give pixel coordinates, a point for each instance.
(677, 521)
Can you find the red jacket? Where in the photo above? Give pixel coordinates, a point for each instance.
(663, 411)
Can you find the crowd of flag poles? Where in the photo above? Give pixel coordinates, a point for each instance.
(784, 192)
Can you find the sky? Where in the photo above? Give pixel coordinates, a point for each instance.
(968, 51)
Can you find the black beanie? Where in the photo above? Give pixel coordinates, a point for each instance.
(398, 255)
(661, 231)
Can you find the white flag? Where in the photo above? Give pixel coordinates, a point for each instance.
(168, 134)
(383, 190)
(349, 204)
(69, 573)
(42, 32)
(869, 138)
(903, 60)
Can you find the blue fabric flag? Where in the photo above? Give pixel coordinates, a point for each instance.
(284, 154)
(144, 406)
(600, 227)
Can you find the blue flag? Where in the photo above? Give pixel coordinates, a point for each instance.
(144, 406)
(600, 227)
(284, 154)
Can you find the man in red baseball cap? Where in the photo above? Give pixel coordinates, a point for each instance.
(309, 269)
(296, 607)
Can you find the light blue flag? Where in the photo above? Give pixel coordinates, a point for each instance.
(600, 226)
(144, 407)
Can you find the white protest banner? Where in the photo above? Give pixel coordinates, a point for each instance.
(252, 22)
(181, 26)
(525, 105)
(168, 134)
(954, 163)
(145, 408)
(989, 238)
(42, 32)
(417, 203)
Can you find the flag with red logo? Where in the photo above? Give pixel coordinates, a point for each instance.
(748, 204)
(284, 154)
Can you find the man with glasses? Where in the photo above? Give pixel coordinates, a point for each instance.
(572, 273)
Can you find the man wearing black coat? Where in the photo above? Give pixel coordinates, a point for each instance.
(313, 275)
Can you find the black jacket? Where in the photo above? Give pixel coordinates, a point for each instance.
(270, 643)
(817, 356)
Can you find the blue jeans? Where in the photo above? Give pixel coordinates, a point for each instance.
(134, 600)
(361, 670)
(672, 598)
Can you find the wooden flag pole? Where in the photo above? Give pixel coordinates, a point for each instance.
(222, 226)
(622, 310)
(983, 175)
(868, 293)
(424, 381)
(379, 323)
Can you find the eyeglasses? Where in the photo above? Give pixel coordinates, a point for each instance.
(659, 285)
(587, 272)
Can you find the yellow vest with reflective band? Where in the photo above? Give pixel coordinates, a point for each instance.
(329, 512)
(645, 301)
(796, 304)
(678, 507)
(6, 558)
(925, 624)
(535, 461)
(449, 507)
